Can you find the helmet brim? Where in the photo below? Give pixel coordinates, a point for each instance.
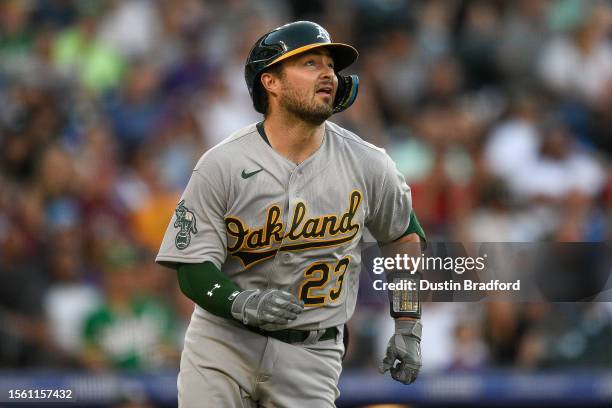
(342, 54)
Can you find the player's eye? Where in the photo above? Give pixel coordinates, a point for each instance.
(310, 63)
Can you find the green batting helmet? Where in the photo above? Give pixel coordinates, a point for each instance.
(293, 39)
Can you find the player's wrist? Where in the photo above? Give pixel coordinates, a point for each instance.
(239, 304)
(412, 328)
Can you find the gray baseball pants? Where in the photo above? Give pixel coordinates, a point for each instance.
(225, 365)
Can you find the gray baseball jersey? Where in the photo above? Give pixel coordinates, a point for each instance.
(269, 223)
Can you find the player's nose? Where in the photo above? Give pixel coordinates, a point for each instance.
(327, 73)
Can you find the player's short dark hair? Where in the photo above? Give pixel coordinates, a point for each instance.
(276, 69)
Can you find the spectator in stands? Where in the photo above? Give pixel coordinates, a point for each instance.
(23, 329)
(72, 295)
(78, 53)
(136, 110)
(128, 331)
(579, 63)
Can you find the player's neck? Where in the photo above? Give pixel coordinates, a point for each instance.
(294, 139)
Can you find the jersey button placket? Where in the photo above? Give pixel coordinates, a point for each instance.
(281, 256)
(292, 188)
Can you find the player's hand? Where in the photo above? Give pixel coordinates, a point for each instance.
(269, 309)
(403, 358)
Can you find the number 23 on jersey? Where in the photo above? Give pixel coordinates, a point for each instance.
(317, 277)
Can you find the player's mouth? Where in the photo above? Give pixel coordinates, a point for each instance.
(325, 91)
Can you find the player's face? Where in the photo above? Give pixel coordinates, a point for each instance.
(309, 85)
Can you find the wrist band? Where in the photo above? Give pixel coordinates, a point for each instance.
(404, 294)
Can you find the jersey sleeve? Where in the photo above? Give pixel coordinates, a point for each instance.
(196, 232)
(390, 214)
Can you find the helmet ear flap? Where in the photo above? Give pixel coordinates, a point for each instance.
(347, 92)
(260, 101)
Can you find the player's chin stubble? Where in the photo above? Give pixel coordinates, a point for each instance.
(313, 112)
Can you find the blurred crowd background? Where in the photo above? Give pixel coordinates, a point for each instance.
(498, 113)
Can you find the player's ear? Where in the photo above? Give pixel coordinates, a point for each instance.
(270, 82)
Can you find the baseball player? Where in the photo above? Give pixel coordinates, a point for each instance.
(266, 237)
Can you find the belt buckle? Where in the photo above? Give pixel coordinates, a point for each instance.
(314, 336)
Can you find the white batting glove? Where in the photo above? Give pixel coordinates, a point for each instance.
(268, 309)
(403, 357)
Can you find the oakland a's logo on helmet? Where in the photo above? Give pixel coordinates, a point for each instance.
(186, 222)
(323, 34)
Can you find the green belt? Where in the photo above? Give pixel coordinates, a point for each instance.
(296, 336)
